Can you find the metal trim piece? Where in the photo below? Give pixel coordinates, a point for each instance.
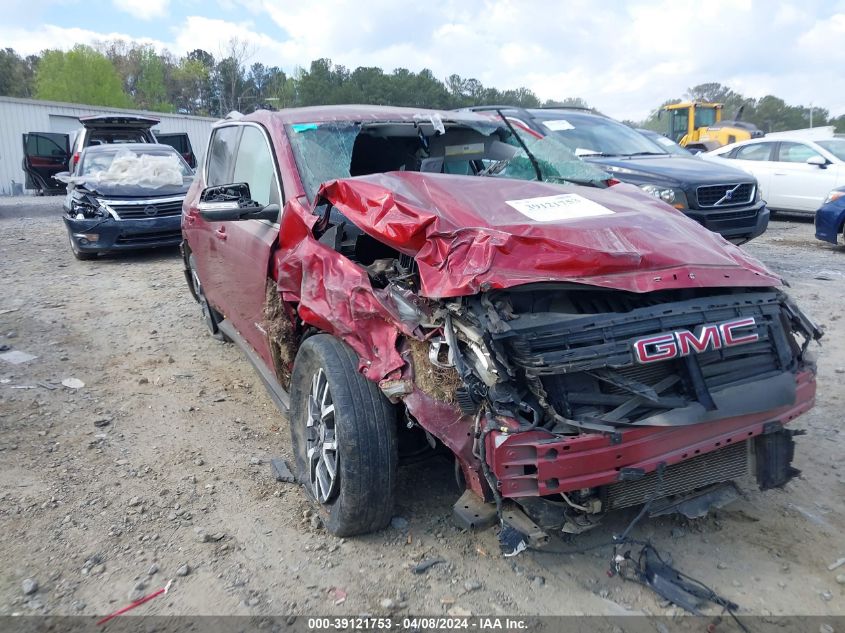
(134, 202)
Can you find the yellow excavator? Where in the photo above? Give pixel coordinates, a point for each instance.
(698, 125)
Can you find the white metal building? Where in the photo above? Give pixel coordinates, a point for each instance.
(19, 116)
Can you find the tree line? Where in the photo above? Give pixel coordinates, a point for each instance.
(132, 75)
(121, 74)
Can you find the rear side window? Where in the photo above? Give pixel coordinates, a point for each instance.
(255, 166)
(754, 151)
(221, 155)
(179, 142)
(795, 152)
(46, 144)
(109, 137)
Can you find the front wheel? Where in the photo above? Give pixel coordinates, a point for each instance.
(344, 438)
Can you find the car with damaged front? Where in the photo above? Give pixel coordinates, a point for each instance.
(125, 197)
(407, 280)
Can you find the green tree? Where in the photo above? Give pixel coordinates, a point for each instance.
(150, 90)
(80, 75)
(568, 102)
(17, 75)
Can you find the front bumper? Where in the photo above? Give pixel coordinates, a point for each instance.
(124, 235)
(537, 463)
(829, 221)
(736, 224)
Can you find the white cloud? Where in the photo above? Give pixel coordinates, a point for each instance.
(624, 58)
(50, 36)
(143, 9)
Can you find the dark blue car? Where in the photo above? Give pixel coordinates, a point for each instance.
(720, 197)
(830, 218)
(125, 197)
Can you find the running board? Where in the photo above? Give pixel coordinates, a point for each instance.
(278, 394)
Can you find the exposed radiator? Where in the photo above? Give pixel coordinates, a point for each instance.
(721, 465)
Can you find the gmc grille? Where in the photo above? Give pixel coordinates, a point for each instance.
(725, 195)
(586, 370)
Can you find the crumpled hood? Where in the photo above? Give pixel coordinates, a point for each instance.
(469, 234)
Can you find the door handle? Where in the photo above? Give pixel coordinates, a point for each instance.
(220, 233)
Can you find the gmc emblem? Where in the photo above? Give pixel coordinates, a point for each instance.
(653, 349)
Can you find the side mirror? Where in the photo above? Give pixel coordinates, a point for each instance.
(230, 203)
(818, 161)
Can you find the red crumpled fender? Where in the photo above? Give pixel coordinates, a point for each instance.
(335, 295)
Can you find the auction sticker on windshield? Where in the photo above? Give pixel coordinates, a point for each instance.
(559, 125)
(566, 206)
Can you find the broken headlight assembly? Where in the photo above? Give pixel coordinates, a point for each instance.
(84, 208)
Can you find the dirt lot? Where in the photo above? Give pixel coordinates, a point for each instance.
(157, 469)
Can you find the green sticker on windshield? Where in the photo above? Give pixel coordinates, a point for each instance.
(303, 127)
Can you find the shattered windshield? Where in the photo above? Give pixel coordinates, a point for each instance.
(322, 151)
(330, 151)
(556, 162)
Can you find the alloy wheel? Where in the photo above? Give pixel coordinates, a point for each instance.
(321, 440)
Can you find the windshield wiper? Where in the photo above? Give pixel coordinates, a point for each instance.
(576, 181)
(527, 151)
(648, 154)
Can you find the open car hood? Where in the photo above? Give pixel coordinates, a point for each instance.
(469, 234)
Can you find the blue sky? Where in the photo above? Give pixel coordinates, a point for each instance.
(622, 57)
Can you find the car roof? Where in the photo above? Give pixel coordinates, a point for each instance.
(363, 113)
(797, 138)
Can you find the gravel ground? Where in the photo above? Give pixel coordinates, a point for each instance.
(156, 468)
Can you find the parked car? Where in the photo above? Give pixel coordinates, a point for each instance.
(795, 174)
(49, 153)
(576, 348)
(665, 142)
(726, 201)
(125, 197)
(830, 218)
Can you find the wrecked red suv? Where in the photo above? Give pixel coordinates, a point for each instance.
(401, 276)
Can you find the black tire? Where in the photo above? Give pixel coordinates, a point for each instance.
(363, 425)
(210, 316)
(80, 255)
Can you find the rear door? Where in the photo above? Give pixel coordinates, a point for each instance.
(181, 143)
(45, 154)
(800, 186)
